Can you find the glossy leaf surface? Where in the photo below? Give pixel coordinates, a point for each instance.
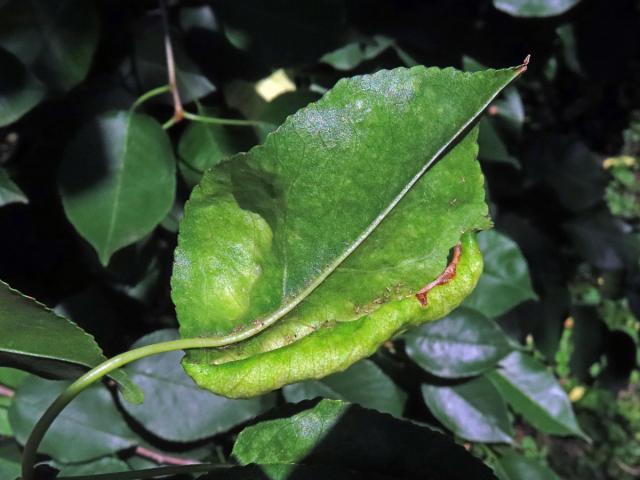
(117, 180)
(338, 435)
(463, 344)
(534, 393)
(175, 408)
(303, 213)
(505, 281)
(363, 383)
(472, 410)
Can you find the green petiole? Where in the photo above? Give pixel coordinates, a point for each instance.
(95, 374)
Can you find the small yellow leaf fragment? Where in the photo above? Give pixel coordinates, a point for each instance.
(576, 393)
(625, 161)
(274, 85)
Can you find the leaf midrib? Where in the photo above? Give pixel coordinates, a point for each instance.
(116, 200)
(331, 267)
(532, 403)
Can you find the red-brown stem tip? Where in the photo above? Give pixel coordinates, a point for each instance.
(523, 68)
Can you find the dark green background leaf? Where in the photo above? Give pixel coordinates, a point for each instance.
(37, 340)
(203, 145)
(473, 410)
(363, 383)
(9, 191)
(117, 180)
(505, 281)
(463, 344)
(20, 91)
(10, 457)
(516, 467)
(56, 40)
(534, 393)
(175, 408)
(89, 428)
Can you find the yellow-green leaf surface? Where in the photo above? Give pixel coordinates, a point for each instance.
(332, 226)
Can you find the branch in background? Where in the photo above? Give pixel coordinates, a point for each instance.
(178, 112)
(163, 459)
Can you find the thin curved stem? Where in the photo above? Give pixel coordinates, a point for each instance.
(223, 121)
(171, 64)
(95, 374)
(150, 94)
(169, 123)
(234, 122)
(150, 472)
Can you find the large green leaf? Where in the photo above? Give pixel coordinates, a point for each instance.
(534, 393)
(20, 91)
(175, 408)
(363, 383)
(463, 344)
(336, 202)
(55, 39)
(9, 191)
(505, 281)
(117, 180)
(472, 410)
(335, 434)
(534, 8)
(89, 428)
(37, 340)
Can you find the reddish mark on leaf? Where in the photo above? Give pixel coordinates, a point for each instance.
(446, 276)
(523, 68)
